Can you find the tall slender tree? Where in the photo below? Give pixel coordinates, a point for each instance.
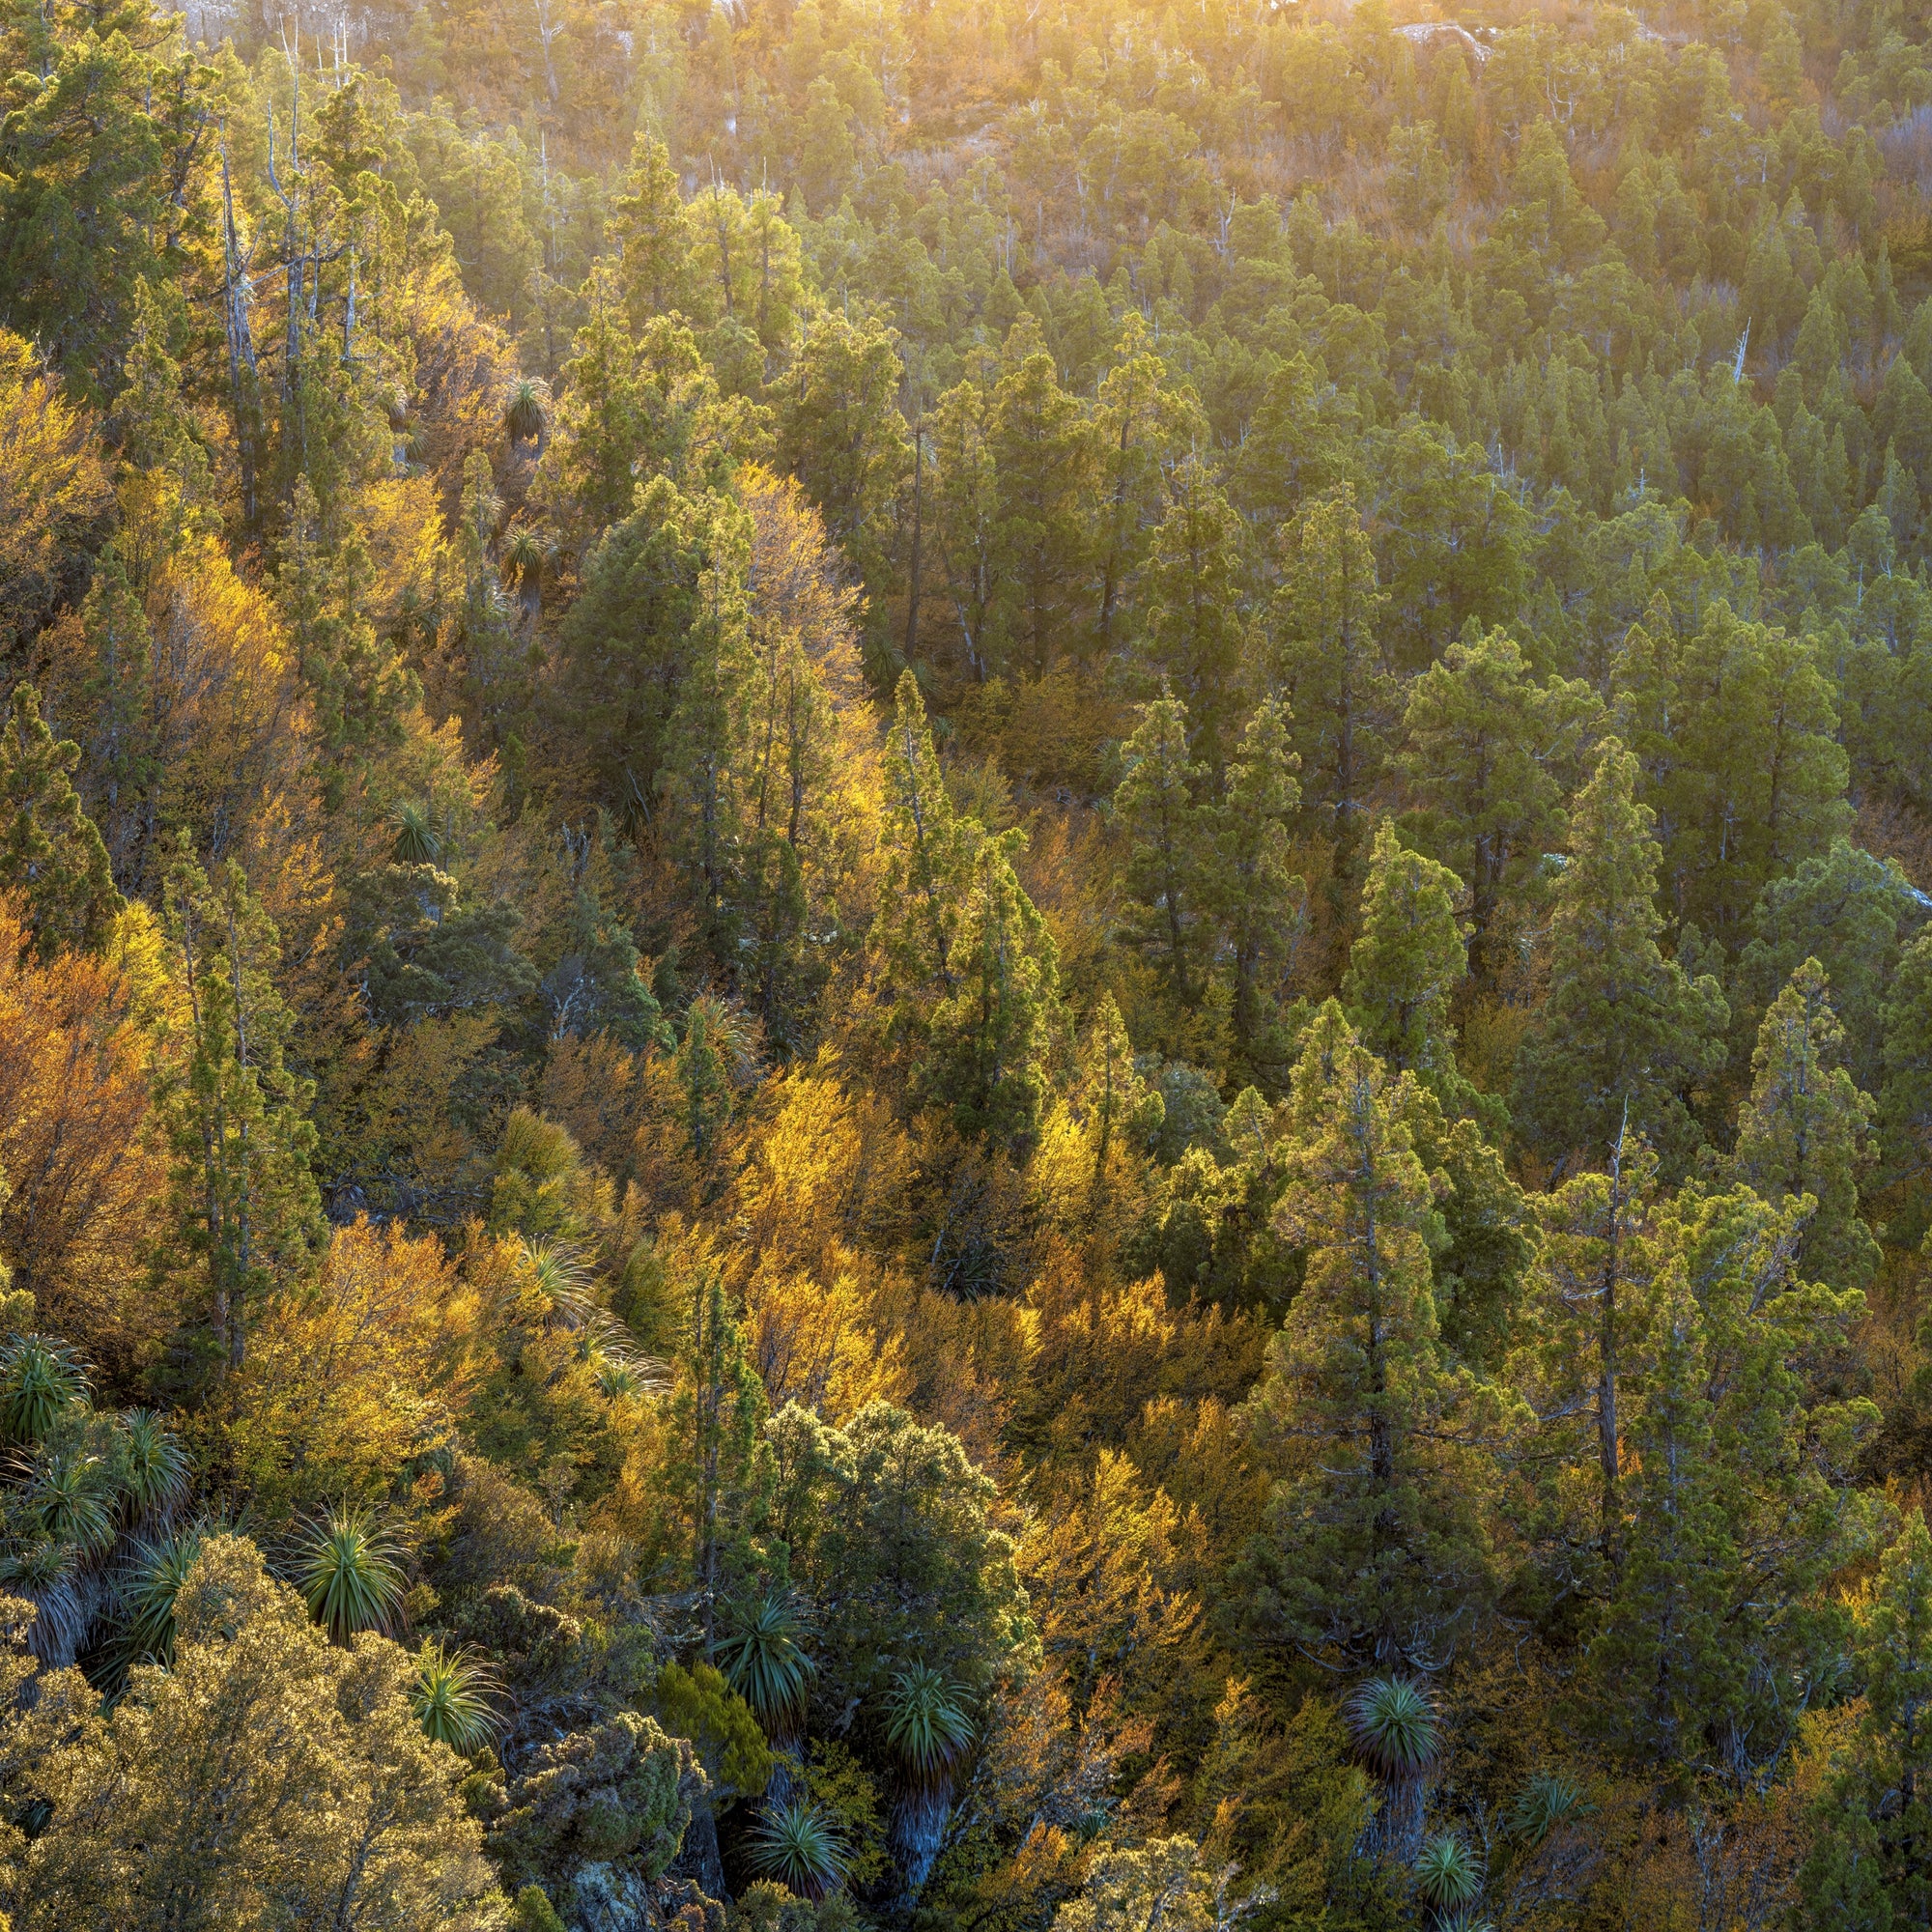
(1407, 964)
(653, 236)
(1590, 1311)
(1376, 1550)
(1625, 1033)
(1662, 1643)
(1805, 1129)
(1197, 629)
(1324, 660)
(50, 852)
(1487, 754)
(1167, 864)
(928, 852)
(991, 1040)
(1870, 1861)
(244, 1203)
(1260, 903)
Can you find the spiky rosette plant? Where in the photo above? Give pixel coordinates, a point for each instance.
(763, 1663)
(452, 1698)
(527, 409)
(927, 1725)
(42, 1573)
(615, 1378)
(351, 1576)
(1447, 1875)
(70, 1497)
(1393, 1723)
(155, 1470)
(525, 561)
(1548, 1800)
(148, 1589)
(796, 1845)
(41, 1378)
(1397, 1734)
(928, 1729)
(417, 841)
(525, 555)
(560, 1274)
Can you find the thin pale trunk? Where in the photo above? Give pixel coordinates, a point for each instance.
(1607, 1460)
(918, 490)
(244, 1217)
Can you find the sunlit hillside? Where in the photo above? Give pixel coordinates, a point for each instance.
(965, 967)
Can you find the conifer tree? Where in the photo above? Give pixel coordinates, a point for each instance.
(1297, 445)
(1591, 1311)
(1168, 861)
(244, 1204)
(1870, 1861)
(989, 1042)
(652, 233)
(1662, 1653)
(704, 743)
(1259, 904)
(489, 645)
(1789, 1443)
(1647, 687)
(161, 439)
(86, 214)
(1624, 1032)
(1407, 964)
(361, 689)
(928, 852)
(49, 851)
(659, 579)
(840, 433)
(1761, 774)
(1851, 912)
(1485, 750)
(1044, 464)
(1905, 1102)
(1115, 1102)
(1483, 1272)
(600, 420)
(724, 1478)
(1139, 419)
(1738, 1505)
(971, 968)
(596, 987)
(708, 1063)
(121, 752)
(1805, 1129)
(1324, 663)
(963, 514)
(637, 408)
(1375, 1550)
(1197, 632)
(903, 1548)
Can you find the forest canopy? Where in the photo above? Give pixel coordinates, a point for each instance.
(965, 968)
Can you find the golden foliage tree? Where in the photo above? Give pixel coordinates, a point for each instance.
(267, 1773)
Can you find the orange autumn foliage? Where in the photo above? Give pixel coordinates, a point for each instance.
(86, 1183)
(356, 1377)
(822, 1347)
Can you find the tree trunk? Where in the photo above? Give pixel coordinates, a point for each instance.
(701, 1859)
(918, 1825)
